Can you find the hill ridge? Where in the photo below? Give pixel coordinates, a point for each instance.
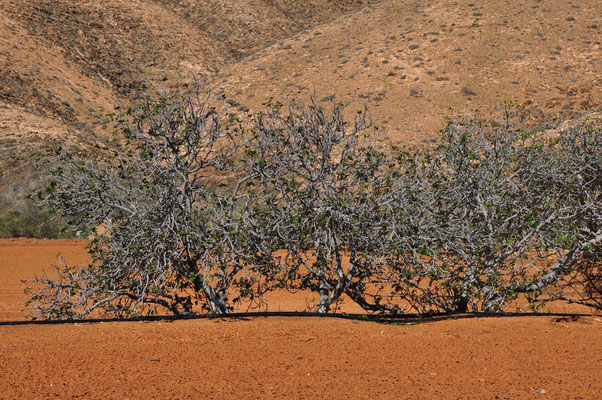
(415, 62)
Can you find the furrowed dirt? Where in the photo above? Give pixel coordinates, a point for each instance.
(504, 358)
(278, 357)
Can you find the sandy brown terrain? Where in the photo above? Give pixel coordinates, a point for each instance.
(278, 357)
(415, 62)
(67, 64)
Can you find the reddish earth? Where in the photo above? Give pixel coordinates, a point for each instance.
(23, 259)
(277, 357)
(65, 64)
(504, 358)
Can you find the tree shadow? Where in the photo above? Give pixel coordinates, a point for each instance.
(398, 320)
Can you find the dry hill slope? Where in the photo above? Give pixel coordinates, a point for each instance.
(414, 61)
(75, 60)
(26, 137)
(245, 26)
(66, 64)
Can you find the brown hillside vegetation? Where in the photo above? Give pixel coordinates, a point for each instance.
(411, 62)
(26, 137)
(414, 62)
(245, 26)
(74, 61)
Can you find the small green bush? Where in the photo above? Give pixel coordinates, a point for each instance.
(30, 221)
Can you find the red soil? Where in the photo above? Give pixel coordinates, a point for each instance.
(24, 259)
(276, 357)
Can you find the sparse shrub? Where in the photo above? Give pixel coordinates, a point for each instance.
(21, 215)
(497, 211)
(326, 200)
(175, 227)
(29, 220)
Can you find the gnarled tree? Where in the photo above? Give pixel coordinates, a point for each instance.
(175, 231)
(328, 199)
(575, 173)
(495, 211)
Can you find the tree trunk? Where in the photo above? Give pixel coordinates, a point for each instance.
(218, 305)
(460, 302)
(216, 301)
(325, 302)
(562, 265)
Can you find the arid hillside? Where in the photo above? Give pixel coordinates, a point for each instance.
(243, 27)
(414, 62)
(66, 64)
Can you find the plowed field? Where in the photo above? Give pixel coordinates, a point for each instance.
(277, 357)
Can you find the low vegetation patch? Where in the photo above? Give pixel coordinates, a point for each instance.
(203, 210)
(29, 220)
